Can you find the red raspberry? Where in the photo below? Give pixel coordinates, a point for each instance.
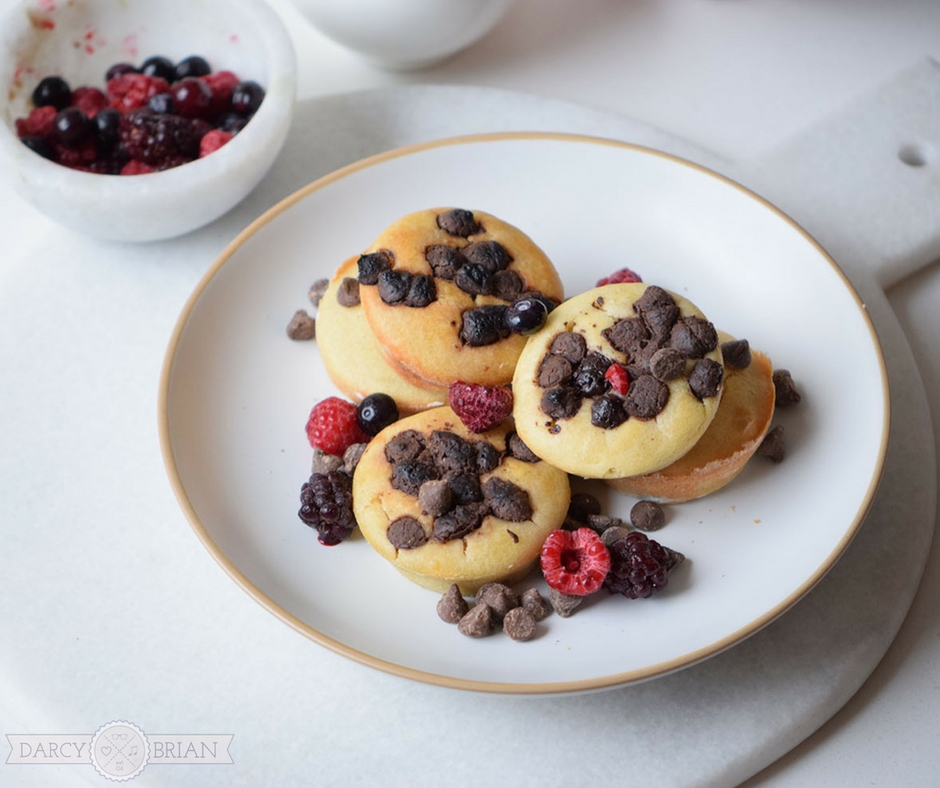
(332, 426)
(480, 408)
(79, 156)
(136, 167)
(89, 100)
(618, 378)
(221, 83)
(574, 563)
(39, 123)
(132, 91)
(213, 140)
(619, 277)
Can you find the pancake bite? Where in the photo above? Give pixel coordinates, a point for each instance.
(622, 380)
(445, 505)
(351, 353)
(436, 286)
(743, 419)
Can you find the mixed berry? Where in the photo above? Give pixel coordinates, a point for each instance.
(147, 119)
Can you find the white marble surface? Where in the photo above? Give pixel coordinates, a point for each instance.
(81, 471)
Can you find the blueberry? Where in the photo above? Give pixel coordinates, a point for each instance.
(119, 70)
(526, 316)
(52, 91)
(39, 145)
(159, 66)
(247, 97)
(71, 126)
(376, 412)
(107, 122)
(192, 66)
(161, 104)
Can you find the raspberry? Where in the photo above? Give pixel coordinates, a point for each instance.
(89, 100)
(131, 91)
(221, 83)
(39, 123)
(574, 563)
(326, 505)
(213, 140)
(639, 566)
(332, 426)
(480, 408)
(618, 378)
(136, 167)
(619, 277)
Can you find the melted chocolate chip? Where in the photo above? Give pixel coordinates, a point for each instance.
(409, 475)
(451, 453)
(490, 254)
(474, 279)
(608, 412)
(458, 222)
(487, 456)
(421, 292)
(347, 294)
(506, 500)
(507, 285)
(658, 310)
(464, 488)
(736, 353)
(373, 264)
(554, 371)
(458, 522)
(561, 402)
(628, 335)
(406, 533)
(705, 378)
(569, 345)
(693, 336)
(518, 449)
(484, 325)
(435, 497)
(646, 398)
(406, 445)
(667, 364)
(394, 286)
(445, 261)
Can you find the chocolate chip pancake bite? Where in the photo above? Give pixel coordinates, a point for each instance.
(622, 380)
(351, 353)
(438, 287)
(445, 505)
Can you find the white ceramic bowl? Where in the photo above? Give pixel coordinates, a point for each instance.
(404, 34)
(79, 40)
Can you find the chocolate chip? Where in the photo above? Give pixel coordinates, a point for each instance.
(394, 286)
(477, 622)
(705, 378)
(602, 523)
(499, 597)
(484, 325)
(569, 345)
(452, 606)
(535, 603)
(667, 364)
(347, 294)
(785, 388)
(316, 291)
(373, 264)
(324, 463)
(607, 412)
(773, 445)
(458, 522)
(589, 377)
(506, 500)
(459, 222)
(564, 604)
(614, 533)
(488, 456)
(519, 624)
(490, 254)
(658, 310)
(445, 261)
(406, 533)
(421, 292)
(464, 488)
(518, 449)
(581, 505)
(352, 455)
(406, 445)
(554, 371)
(647, 516)
(646, 398)
(434, 497)
(693, 336)
(628, 335)
(409, 475)
(560, 402)
(736, 353)
(451, 453)
(474, 279)
(302, 326)
(507, 285)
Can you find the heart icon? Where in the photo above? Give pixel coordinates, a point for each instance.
(105, 750)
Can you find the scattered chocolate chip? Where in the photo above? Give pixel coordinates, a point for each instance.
(646, 398)
(474, 279)
(785, 388)
(351, 457)
(421, 292)
(693, 336)
(302, 326)
(535, 603)
(451, 453)
(409, 475)
(607, 412)
(324, 463)
(667, 364)
(506, 500)
(484, 325)
(590, 376)
(773, 445)
(736, 353)
(394, 286)
(658, 310)
(628, 335)
(406, 445)
(458, 522)
(435, 497)
(564, 604)
(487, 456)
(316, 291)
(464, 488)
(406, 533)
(445, 261)
(477, 622)
(507, 285)
(613, 533)
(582, 505)
(647, 516)
(518, 449)
(519, 624)
(554, 371)
(569, 345)
(705, 378)
(490, 254)
(560, 402)
(347, 294)
(452, 606)
(373, 264)
(499, 597)
(458, 222)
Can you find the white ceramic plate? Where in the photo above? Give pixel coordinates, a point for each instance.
(236, 393)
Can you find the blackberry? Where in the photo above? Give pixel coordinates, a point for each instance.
(484, 325)
(326, 505)
(376, 412)
(639, 566)
(157, 139)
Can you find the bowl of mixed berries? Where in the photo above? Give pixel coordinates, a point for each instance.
(135, 120)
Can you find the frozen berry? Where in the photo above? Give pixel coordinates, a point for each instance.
(326, 505)
(158, 139)
(247, 97)
(191, 97)
(639, 566)
(526, 316)
(159, 66)
(213, 140)
(119, 69)
(52, 92)
(231, 122)
(131, 91)
(574, 563)
(136, 167)
(161, 104)
(192, 66)
(376, 412)
(332, 426)
(480, 408)
(71, 126)
(39, 123)
(89, 100)
(618, 378)
(222, 84)
(107, 122)
(624, 275)
(39, 145)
